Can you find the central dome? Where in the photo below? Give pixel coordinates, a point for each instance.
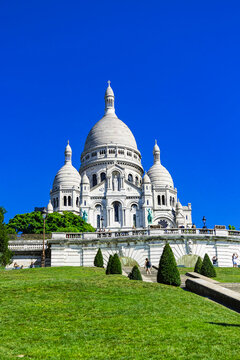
(110, 130)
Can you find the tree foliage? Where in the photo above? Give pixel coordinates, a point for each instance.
(207, 268)
(5, 253)
(32, 223)
(98, 261)
(167, 271)
(109, 265)
(198, 265)
(231, 227)
(116, 267)
(135, 273)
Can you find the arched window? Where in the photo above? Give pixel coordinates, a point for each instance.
(103, 176)
(147, 202)
(130, 177)
(69, 201)
(116, 207)
(173, 201)
(159, 200)
(136, 180)
(57, 202)
(77, 201)
(54, 205)
(170, 201)
(94, 180)
(163, 199)
(65, 201)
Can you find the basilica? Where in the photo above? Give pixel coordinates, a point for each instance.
(110, 190)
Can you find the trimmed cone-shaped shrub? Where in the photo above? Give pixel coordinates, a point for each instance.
(98, 261)
(109, 265)
(167, 271)
(198, 265)
(135, 274)
(207, 268)
(116, 267)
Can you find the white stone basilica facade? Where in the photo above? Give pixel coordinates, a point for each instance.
(110, 190)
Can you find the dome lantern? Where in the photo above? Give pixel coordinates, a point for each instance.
(68, 154)
(109, 100)
(156, 153)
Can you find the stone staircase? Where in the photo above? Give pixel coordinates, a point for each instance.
(153, 276)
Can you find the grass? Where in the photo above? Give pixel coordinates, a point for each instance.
(223, 274)
(80, 313)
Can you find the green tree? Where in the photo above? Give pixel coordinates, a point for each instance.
(116, 267)
(32, 223)
(98, 261)
(5, 253)
(109, 265)
(167, 271)
(135, 273)
(231, 227)
(198, 265)
(207, 268)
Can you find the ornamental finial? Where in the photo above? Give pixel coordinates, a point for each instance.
(109, 82)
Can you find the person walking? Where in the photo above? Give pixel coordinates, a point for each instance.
(148, 266)
(234, 260)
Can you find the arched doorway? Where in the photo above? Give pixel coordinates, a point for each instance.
(117, 214)
(98, 216)
(134, 215)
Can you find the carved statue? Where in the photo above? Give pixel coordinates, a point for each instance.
(115, 183)
(150, 216)
(85, 216)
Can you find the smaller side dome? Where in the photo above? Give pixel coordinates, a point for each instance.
(85, 179)
(49, 207)
(146, 179)
(158, 174)
(67, 176)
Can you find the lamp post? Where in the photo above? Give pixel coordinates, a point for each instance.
(204, 222)
(44, 215)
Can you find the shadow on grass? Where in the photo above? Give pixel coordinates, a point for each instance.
(223, 324)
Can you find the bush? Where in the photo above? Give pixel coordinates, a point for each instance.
(98, 261)
(109, 265)
(116, 267)
(135, 274)
(207, 268)
(167, 271)
(198, 265)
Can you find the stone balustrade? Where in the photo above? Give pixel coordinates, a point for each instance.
(148, 232)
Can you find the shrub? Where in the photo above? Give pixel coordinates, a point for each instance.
(116, 267)
(98, 261)
(109, 265)
(135, 274)
(207, 268)
(198, 265)
(167, 271)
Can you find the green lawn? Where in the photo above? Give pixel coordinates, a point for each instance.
(223, 274)
(79, 313)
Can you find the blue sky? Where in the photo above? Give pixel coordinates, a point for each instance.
(174, 68)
